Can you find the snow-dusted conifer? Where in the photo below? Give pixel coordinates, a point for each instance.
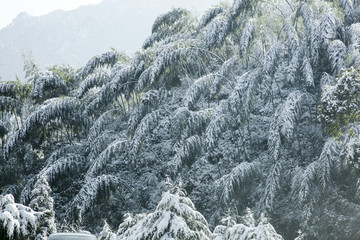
(106, 233)
(175, 217)
(40, 196)
(249, 229)
(16, 220)
(42, 202)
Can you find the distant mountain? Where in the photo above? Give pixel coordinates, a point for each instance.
(72, 37)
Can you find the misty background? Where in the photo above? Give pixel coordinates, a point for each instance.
(73, 37)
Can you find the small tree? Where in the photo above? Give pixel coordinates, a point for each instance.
(16, 220)
(175, 217)
(249, 229)
(106, 233)
(42, 202)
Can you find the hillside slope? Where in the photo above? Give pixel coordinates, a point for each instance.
(243, 124)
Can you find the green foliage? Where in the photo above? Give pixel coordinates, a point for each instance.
(16, 90)
(30, 67)
(340, 103)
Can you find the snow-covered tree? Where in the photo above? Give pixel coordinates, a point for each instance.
(248, 229)
(230, 104)
(106, 233)
(175, 217)
(42, 202)
(16, 220)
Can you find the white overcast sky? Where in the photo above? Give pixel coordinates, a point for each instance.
(9, 9)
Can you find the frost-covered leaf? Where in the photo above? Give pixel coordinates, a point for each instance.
(209, 16)
(337, 52)
(96, 79)
(216, 126)
(48, 81)
(200, 87)
(89, 193)
(236, 180)
(217, 31)
(246, 36)
(308, 73)
(108, 58)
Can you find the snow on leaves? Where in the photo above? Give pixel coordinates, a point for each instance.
(337, 51)
(16, 220)
(64, 108)
(249, 229)
(223, 103)
(238, 179)
(48, 81)
(339, 103)
(175, 217)
(102, 184)
(107, 58)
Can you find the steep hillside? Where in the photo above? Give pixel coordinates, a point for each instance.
(245, 123)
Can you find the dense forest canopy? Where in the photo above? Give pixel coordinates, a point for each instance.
(243, 124)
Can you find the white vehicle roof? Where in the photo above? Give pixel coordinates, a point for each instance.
(72, 236)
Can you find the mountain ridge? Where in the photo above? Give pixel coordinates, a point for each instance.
(72, 37)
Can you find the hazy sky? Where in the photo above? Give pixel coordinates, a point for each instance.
(9, 9)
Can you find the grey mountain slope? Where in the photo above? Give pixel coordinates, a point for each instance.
(73, 37)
